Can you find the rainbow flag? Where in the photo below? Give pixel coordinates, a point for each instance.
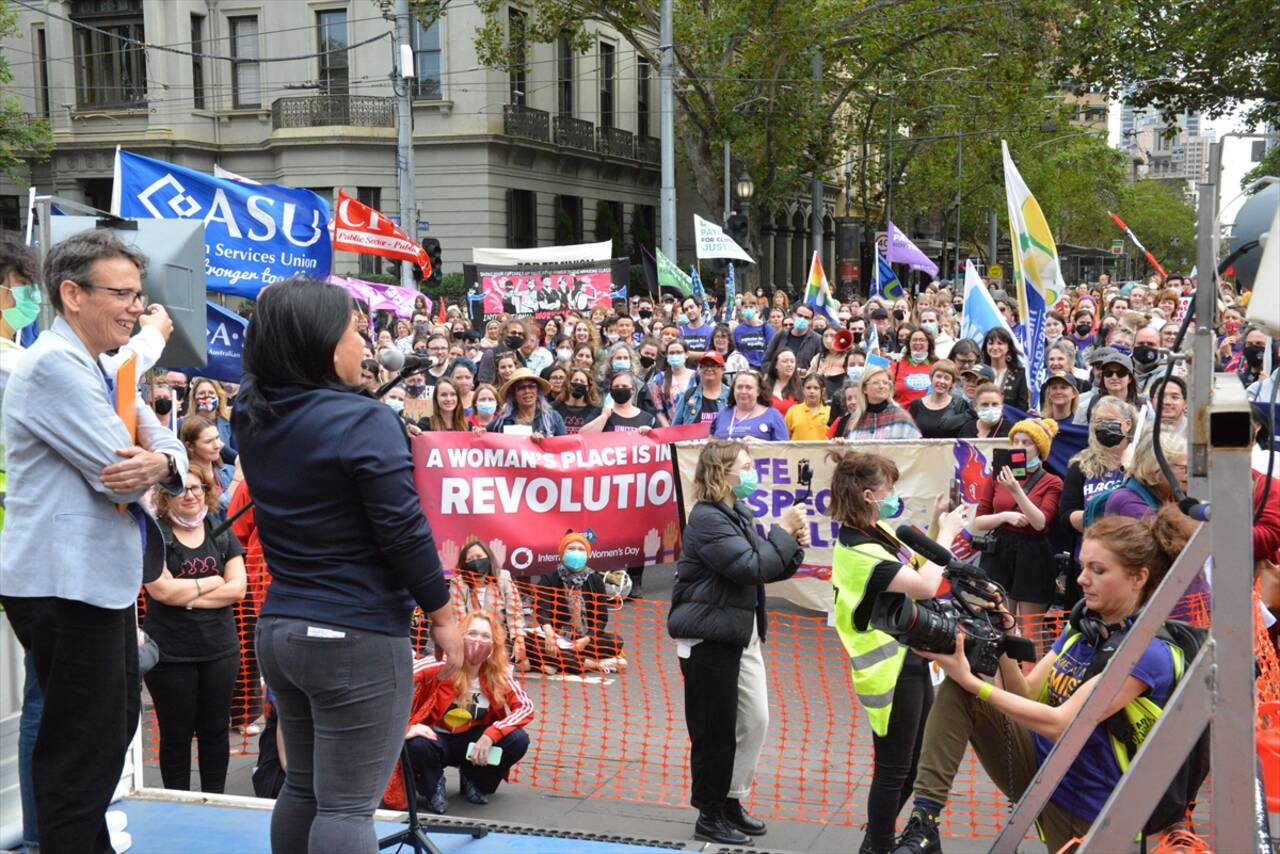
(818, 293)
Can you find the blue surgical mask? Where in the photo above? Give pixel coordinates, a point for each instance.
(396, 404)
(487, 407)
(890, 505)
(748, 314)
(621, 365)
(801, 324)
(26, 307)
(574, 560)
(682, 319)
(748, 483)
(675, 361)
(930, 327)
(1033, 460)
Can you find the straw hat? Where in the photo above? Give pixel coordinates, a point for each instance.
(522, 375)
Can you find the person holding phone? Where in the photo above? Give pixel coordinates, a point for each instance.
(473, 720)
(718, 622)
(1017, 505)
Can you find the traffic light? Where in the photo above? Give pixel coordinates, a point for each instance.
(432, 246)
(737, 228)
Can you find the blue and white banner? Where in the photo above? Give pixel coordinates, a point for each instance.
(255, 234)
(224, 338)
(980, 313)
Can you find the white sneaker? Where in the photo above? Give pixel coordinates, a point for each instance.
(117, 820)
(121, 842)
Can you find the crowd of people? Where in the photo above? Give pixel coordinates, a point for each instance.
(350, 557)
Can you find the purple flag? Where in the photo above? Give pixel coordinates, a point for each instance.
(903, 251)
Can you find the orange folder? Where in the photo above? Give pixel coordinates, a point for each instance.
(127, 401)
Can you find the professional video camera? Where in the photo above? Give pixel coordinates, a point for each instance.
(930, 625)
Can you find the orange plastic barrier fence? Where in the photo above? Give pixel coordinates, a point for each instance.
(621, 735)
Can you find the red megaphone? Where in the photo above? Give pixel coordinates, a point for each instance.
(843, 342)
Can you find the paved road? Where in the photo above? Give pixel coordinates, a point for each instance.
(611, 757)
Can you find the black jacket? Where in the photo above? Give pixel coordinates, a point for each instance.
(341, 523)
(722, 571)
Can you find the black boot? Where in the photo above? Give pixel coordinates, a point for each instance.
(920, 835)
(712, 827)
(739, 818)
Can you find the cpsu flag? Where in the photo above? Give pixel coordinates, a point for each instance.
(360, 228)
(254, 234)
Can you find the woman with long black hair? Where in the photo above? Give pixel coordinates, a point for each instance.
(999, 352)
(350, 553)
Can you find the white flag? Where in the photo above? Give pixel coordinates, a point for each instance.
(712, 242)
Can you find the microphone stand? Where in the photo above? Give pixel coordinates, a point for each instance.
(396, 380)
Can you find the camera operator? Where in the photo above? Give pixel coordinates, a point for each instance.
(1013, 727)
(1018, 511)
(718, 620)
(892, 683)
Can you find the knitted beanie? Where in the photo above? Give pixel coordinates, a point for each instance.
(1040, 430)
(575, 537)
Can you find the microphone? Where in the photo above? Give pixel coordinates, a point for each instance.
(934, 551)
(393, 360)
(1198, 510)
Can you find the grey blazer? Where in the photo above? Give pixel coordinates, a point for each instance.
(63, 534)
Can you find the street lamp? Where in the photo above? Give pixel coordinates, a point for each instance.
(745, 189)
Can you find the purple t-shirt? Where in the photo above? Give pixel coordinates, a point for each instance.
(769, 426)
(1095, 773)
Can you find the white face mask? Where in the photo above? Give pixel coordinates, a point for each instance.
(990, 414)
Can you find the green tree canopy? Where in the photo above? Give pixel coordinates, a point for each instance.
(22, 136)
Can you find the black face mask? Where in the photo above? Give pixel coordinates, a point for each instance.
(480, 566)
(1082, 329)
(414, 390)
(578, 390)
(646, 313)
(620, 395)
(514, 342)
(1144, 355)
(1109, 433)
(899, 314)
(163, 406)
(857, 337)
(647, 361)
(1253, 355)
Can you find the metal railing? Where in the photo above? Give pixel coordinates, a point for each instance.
(614, 141)
(526, 122)
(366, 111)
(575, 133)
(648, 149)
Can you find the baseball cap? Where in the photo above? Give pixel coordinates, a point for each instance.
(1062, 376)
(713, 357)
(879, 314)
(1115, 357)
(982, 371)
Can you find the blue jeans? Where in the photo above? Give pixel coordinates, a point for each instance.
(28, 729)
(343, 700)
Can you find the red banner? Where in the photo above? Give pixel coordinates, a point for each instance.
(360, 228)
(520, 496)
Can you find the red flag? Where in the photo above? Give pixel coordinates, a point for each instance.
(360, 228)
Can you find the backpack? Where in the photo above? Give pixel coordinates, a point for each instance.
(1128, 728)
(1096, 507)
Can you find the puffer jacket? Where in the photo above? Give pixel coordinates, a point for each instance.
(721, 574)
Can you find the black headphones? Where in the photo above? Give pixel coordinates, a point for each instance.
(1093, 628)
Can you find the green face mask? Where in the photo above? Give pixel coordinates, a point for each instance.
(26, 306)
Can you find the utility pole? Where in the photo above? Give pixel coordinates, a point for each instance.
(666, 103)
(403, 78)
(727, 201)
(992, 242)
(815, 226)
(888, 178)
(959, 150)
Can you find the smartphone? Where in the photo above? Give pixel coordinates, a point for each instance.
(495, 755)
(1014, 458)
(957, 493)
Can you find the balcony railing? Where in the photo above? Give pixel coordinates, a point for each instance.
(526, 122)
(575, 133)
(311, 111)
(648, 149)
(614, 141)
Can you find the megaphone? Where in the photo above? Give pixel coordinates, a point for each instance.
(843, 342)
